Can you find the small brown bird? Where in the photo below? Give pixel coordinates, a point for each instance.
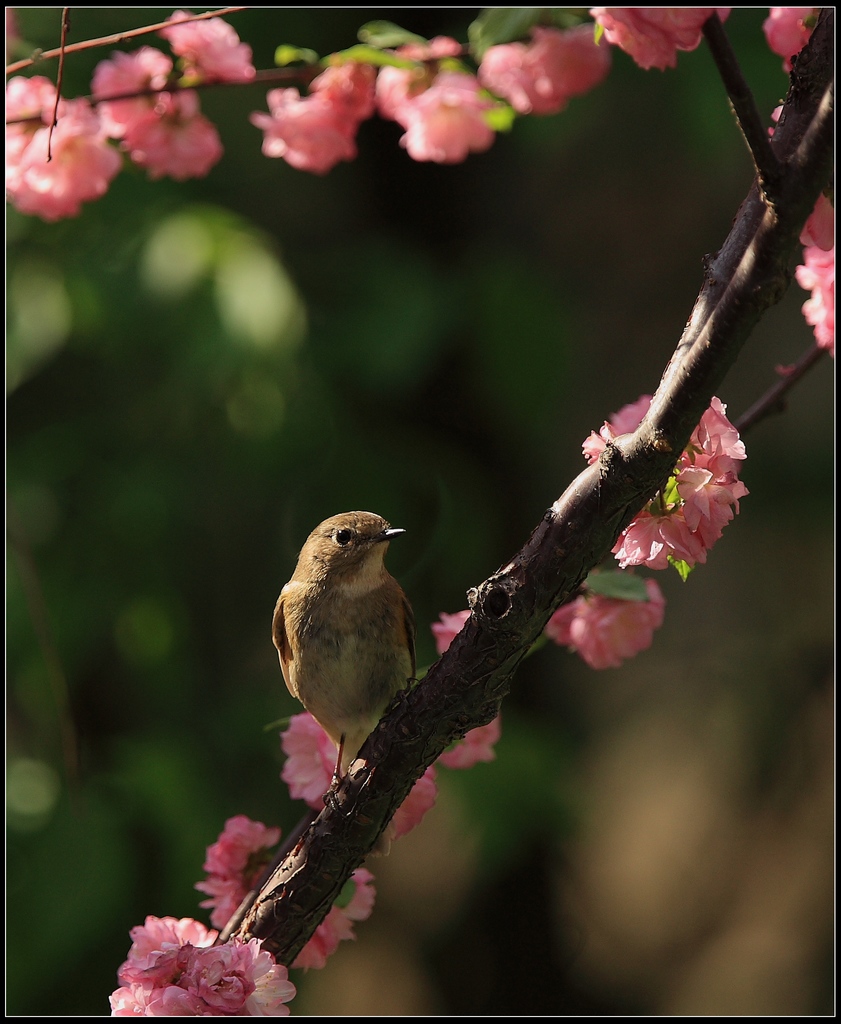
(344, 630)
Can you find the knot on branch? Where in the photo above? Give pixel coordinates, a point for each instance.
(493, 600)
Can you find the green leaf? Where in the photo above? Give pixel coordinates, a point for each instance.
(384, 34)
(501, 117)
(501, 25)
(505, 24)
(286, 54)
(671, 495)
(683, 568)
(624, 586)
(362, 54)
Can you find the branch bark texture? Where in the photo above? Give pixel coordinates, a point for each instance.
(510, 609)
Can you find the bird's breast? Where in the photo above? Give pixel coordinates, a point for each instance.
(349, 648)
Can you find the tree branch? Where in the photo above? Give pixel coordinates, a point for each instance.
(510, 609)
(114, 40)
(755, 132)
(773, 401)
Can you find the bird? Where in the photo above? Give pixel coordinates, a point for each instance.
(344, 630)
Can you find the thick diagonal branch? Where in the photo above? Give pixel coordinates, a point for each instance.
(510, 609)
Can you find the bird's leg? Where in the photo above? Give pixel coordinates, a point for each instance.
(330, 796)
(337, 771)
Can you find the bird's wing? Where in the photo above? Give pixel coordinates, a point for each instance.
(281, 642)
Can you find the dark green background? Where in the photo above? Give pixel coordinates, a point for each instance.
(201, 372)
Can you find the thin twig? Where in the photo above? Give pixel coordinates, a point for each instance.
(744, 106)
(117, 38)
(65, 25)
(773, 399)
(268, 76)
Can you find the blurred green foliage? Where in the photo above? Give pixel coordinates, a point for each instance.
(199, 373)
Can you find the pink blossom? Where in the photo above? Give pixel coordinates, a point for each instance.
(29, 98)
(211, 49)
(446, 121)
(447, 627)
(174, 139)
(625, 421)
(30, 101)
(338, 925)
(717, 438)
(310, 759)
(349, 88)
(650, 539)
(819, 229)
(817, 275)
(234, 863)
(164, 132)
(161, 933)
(786, 31)
(397, 85)
(708, 500)
(686, 519)
(146, 68)
(541, 76)
(81, 168)
(309, 133)
(653, 35)
(410, 813)
(240, 838)
(173, 969)
(604, 630)
(477, 745)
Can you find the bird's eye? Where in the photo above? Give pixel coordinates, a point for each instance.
(343, 537)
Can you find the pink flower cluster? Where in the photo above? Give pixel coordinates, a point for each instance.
(653, 35)
(605, 631)
(444, 121)
(147, 103)
(162, 131)
(680, 525)
(82, 164)
(233, 865)
(174, 970)
(817, 273)
(210, 51)
(787, 30)
(541, 76)
(443, 109)
(313, 133)
(684, 521)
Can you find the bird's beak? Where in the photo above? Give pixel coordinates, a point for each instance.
(390, 533)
